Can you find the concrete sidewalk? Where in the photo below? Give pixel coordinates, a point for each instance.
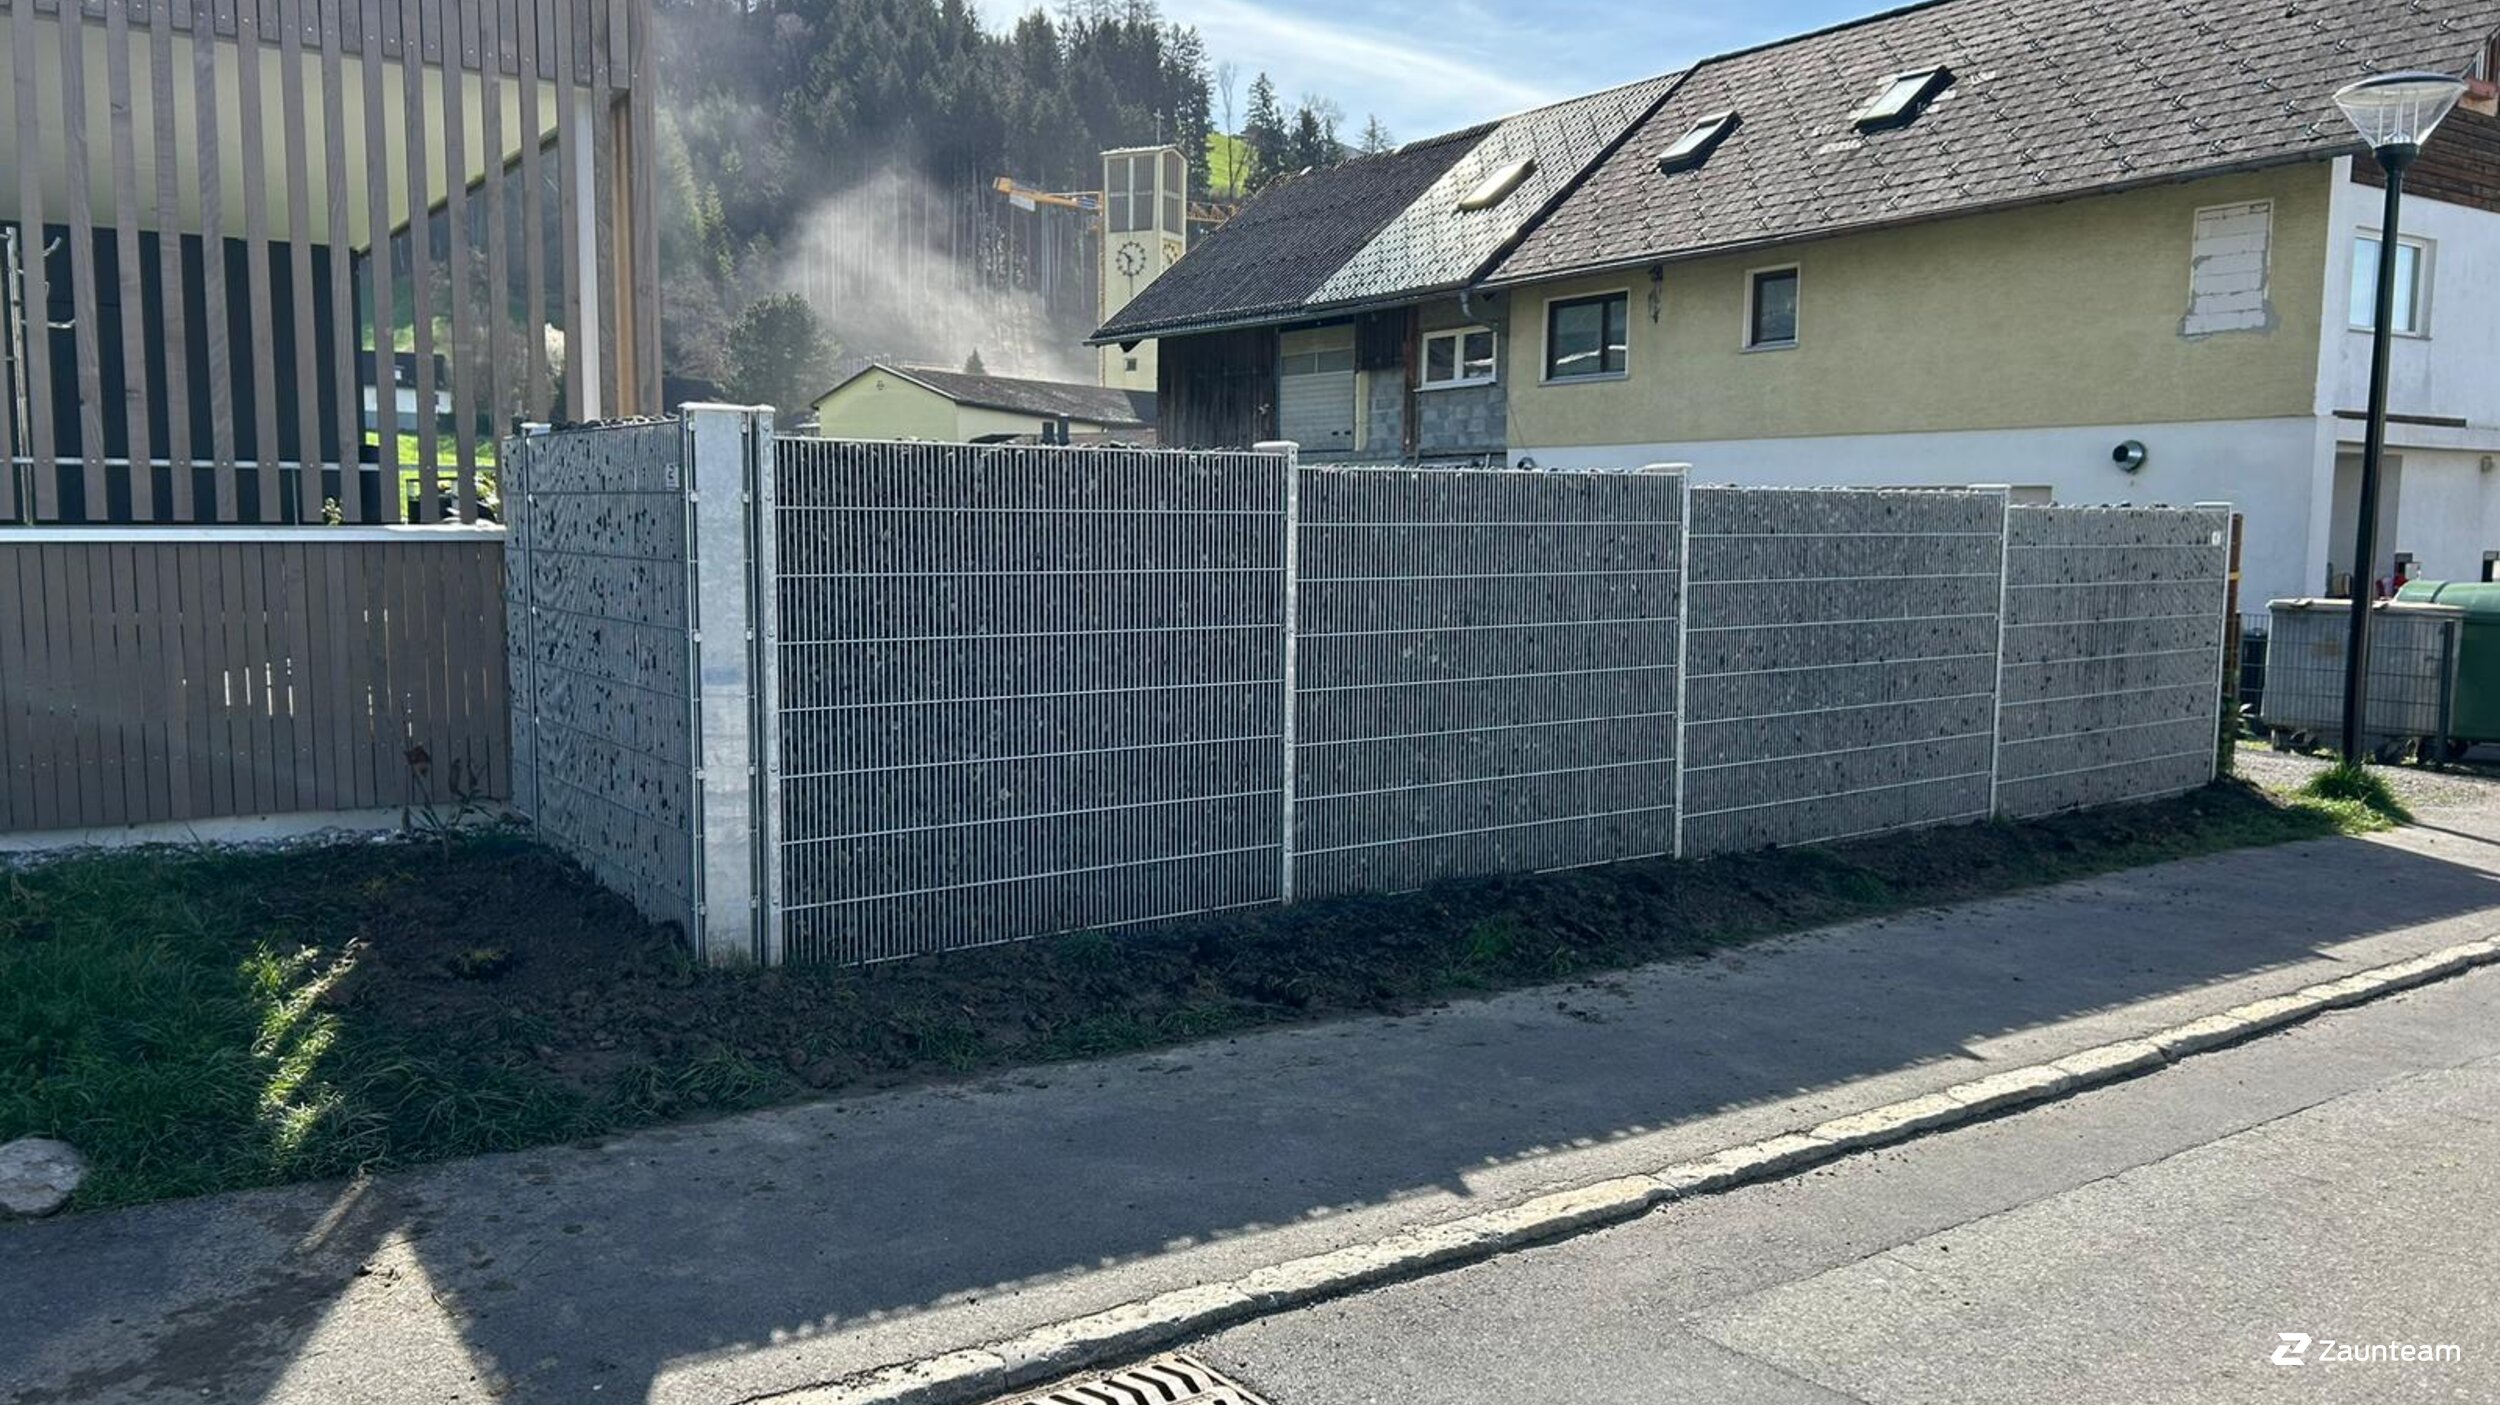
(755, 1254)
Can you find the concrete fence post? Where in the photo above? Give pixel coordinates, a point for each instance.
(1291, 454)
(1996, 704)
(728, 462)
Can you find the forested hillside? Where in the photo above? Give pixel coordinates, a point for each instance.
(843, 151)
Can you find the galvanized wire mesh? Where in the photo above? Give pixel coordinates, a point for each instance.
(1024, 690)
(1839, 663)
(1485, 675)
(2113, 654)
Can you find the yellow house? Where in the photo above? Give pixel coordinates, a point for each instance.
(1986, 241)
(916, 402)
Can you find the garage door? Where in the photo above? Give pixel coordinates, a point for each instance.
(1315, 392)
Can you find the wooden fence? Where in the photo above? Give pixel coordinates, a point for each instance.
(281, 260)
(155, 676)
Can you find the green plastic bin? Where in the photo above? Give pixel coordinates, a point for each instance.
(2477, 714)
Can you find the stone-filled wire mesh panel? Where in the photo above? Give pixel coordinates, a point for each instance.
(2113, 654)
(596, 594)
(1484, 673)
(1024, 690)
(1840, 663)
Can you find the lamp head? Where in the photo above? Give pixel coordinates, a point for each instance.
(2399, 111)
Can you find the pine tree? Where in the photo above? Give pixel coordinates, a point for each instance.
(1264, 133)
(1376, 138)
(973, 366)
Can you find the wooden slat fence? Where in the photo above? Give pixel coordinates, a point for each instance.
(370, 191)
(150, 676)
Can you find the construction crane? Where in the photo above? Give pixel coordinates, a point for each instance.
(1204, 214)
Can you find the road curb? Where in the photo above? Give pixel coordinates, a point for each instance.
(1135, 1328)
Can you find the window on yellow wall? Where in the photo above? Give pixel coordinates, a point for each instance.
(1771, 309)
(1586, 337)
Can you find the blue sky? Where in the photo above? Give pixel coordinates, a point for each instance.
(1428, 66)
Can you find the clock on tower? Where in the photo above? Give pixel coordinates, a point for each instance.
(1145, 230)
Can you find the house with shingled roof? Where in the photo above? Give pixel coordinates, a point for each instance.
(2101, 250)
(884, 400)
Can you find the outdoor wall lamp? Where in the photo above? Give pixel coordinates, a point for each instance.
(2129, 456)
(2395, 113)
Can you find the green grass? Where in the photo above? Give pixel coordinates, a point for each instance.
(1228, 165)
(2355, 797)
(198, 1020)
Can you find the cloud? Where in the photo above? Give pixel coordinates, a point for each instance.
(1416, 87)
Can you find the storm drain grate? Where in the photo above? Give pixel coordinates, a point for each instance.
(1166, 1380)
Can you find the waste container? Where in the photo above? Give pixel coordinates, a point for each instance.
(2412, 682)
(2476, 716)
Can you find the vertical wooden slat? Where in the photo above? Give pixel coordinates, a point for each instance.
(364, 569)
(533, 216)
(420, 247)
(40, 442)
(169, 158)
(348, 409)
(126, 243)
(498, 268)
(602, 315)
(90, 594)
(85, 318)
(458, 34)
(381, 293)
(256, 658)
(173, 678)
(59, 744)
(73, 650)
(644, 99)
(221, 629)
(568, 208)
(140, 675)
(203, 737)
(337, 700)
(17, 741)
(290, 21)
(398, 669)
(260, 350)
(298, 700)
(217, 336)
(121, 707)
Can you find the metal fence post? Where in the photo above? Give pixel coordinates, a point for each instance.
(1290, 454)
(1683, 617)
(2005, 592)
(725, 448)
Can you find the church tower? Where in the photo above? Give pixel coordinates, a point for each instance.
(1145, 228)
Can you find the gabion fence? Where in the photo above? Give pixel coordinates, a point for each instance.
(938, 696)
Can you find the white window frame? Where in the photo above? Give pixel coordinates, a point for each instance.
(1458, 358)
(1753, 291)
(1545, 338)
(2424, 261)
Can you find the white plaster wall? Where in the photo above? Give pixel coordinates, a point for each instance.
(2274, 471)
(2452, 372)
(2448, 514)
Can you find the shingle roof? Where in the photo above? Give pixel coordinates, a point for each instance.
(1434, 244)
(2049, 98)
(1095, 404)
(1274, 254)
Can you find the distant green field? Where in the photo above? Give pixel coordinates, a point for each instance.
(1228, 163)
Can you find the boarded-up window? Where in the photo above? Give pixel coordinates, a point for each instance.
(2227, 270)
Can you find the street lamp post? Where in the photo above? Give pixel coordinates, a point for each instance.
(2395, 113)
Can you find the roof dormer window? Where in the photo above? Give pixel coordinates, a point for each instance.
(1904, 97)
(1695, 146)
(1496, 188)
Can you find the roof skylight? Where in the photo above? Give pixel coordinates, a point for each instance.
(1496, 188)
(1695, 146)
(1904, 97)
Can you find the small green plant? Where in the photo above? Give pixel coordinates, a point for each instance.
(2356, 796)
(420, 814)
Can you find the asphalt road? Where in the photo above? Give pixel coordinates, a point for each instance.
(2152, 1241)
